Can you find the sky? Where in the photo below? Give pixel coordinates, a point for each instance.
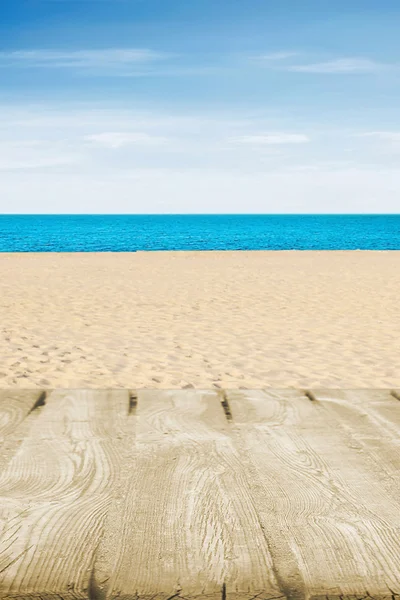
(199, 106)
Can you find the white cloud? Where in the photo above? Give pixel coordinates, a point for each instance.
(321, 166)
(204, 191)
(341, 65)
(275, 56)
(28, 162)
(272, 139)
(59, 159)
(118, 62)
(390, 136)
(34, 154)
(104, 58)
(121, 139)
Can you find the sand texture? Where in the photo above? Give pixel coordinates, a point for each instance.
(202, 319)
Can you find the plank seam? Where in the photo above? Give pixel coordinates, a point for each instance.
(133, 402)
(225, 405)
(310, 395)
(41, 401)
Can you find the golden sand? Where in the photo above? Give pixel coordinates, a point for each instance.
(206, 319)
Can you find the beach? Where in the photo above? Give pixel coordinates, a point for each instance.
(301, 319)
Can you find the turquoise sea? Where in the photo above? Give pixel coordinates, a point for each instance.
(130, 233)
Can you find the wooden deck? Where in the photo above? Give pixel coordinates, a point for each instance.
(187, 494)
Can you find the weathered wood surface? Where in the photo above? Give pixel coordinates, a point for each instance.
(327, 498)
(15, 406)
(55, 492)
(243, 494)
(189, 522)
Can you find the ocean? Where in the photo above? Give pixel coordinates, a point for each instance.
(130, 233)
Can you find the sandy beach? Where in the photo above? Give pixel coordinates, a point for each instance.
(201, 319)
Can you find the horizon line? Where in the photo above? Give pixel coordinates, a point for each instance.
(199, 214)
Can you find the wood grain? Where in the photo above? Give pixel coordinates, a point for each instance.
(371, 418)
(14, 408)
(55, 493)
(237, 495)
(187, 525)
(332, 524)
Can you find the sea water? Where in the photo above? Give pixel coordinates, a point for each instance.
(130, 233)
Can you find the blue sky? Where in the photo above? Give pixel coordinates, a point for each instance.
(199, 106)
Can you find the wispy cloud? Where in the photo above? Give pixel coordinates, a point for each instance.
(104, 58)
(7, 164)
(130, 62)
(116, 139)
(269, 139)
(275, 56)
(390, 136)
(116, 62)
(35, 154)
(341, 65)
(61, 158)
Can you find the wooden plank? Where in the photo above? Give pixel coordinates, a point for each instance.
(18, 413)
(182, 521)
(163, 494)
(55, 493)
(14, 408)
(333, 529)
(371, 419)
